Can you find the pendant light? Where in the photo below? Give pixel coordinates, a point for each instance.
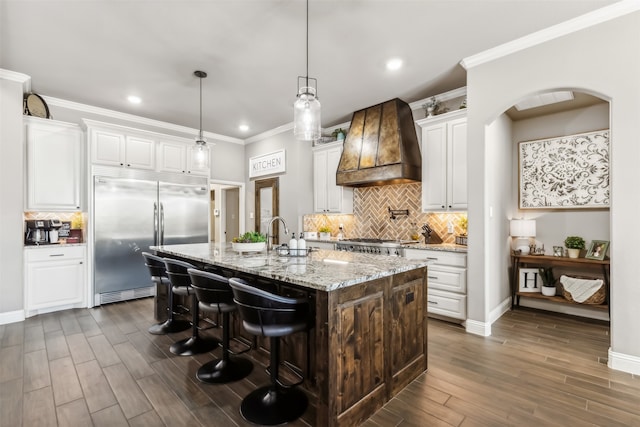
(306, 109)
(201, 152)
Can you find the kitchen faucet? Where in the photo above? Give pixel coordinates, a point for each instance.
(286, 230)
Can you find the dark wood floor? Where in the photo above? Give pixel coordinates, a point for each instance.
(100, 367)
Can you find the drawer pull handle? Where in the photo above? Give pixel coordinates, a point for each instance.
(56, 255)
(435, 259)
(433, 302)
(433, 277)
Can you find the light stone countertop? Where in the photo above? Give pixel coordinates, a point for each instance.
(448, 247)
(322, 270)
(53, 245)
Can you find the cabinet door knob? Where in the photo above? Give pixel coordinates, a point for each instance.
(121, 164)
(128, 165)
(442, 206)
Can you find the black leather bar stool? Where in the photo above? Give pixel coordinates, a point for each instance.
(181, 285)
(273, 316)
(158, 273)
(215, 296)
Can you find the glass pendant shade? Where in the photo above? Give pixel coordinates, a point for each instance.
(306, 115)
(201, 154)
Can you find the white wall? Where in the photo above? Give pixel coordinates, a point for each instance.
(554, 225)
(296, 184)
(11, 200)
(601, 60)
(500, 188)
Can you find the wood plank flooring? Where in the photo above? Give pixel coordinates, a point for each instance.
(100, 367)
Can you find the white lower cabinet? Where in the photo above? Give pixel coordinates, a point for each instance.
(55, 278)
(446, 282)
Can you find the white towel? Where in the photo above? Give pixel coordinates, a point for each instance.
(580, 289)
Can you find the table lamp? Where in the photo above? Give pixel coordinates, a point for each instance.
(522, 230)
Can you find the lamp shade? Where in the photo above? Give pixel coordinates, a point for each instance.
(306, 115)
(522, 228)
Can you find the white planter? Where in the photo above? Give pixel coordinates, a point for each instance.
(549, 291)
(249, 247)
(324, 236)
(573, 253)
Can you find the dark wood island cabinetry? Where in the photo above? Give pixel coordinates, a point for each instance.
(370, 335)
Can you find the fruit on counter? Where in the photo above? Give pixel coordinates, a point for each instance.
(250, 237)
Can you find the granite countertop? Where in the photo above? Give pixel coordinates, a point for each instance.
(53, 245)
(322, 270)
(448, 247)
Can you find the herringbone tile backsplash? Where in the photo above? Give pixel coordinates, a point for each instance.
(371, 218)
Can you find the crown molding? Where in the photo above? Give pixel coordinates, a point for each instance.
(445, 96)
(17, 77)
(581, 22)
(269, 133)
(136, 119)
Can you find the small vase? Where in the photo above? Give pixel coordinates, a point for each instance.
(573, 253)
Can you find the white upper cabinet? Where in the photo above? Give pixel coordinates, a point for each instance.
(118, 149)
(444, 162)
(172, 157)
(121, 146)
(179, 157)
(327, 196)
(54, 166)
(140, 153)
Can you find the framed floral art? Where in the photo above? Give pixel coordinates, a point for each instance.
(567, 172)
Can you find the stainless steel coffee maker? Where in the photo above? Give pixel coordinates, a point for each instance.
(38, 231)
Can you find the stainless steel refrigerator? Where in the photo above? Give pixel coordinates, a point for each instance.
(130, 215)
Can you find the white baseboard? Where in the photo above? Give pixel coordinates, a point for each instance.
(501, 309)
(624, 362)
(11, 317)
(478, 328)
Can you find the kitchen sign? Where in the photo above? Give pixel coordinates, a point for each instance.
(267, 164)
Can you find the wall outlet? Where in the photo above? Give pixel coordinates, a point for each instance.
(250, 215)
(450, 227)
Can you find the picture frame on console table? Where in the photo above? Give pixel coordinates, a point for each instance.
(529, 280)
(566, 172)
(597, 249)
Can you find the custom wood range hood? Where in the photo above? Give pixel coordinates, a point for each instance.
(381, 147)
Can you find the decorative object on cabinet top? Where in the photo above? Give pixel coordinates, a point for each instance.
(35, 105)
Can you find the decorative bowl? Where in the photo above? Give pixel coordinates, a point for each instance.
(249, 247)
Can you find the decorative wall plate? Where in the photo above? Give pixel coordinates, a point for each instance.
(35, 106)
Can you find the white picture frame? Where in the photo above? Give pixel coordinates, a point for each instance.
(566, 172)
(529, 280)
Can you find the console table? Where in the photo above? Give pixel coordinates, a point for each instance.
(576, 264)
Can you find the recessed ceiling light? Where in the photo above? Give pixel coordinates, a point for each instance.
(243, 128)
(134, 99)
(394, 64)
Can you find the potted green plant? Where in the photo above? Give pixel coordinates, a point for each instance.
(574, 244)
(251, 241)
(324, 233)
(548, 282)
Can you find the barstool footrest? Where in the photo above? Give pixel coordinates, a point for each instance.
(291, 368)
(268, 406)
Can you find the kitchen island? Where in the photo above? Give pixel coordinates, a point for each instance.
(369, 338)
